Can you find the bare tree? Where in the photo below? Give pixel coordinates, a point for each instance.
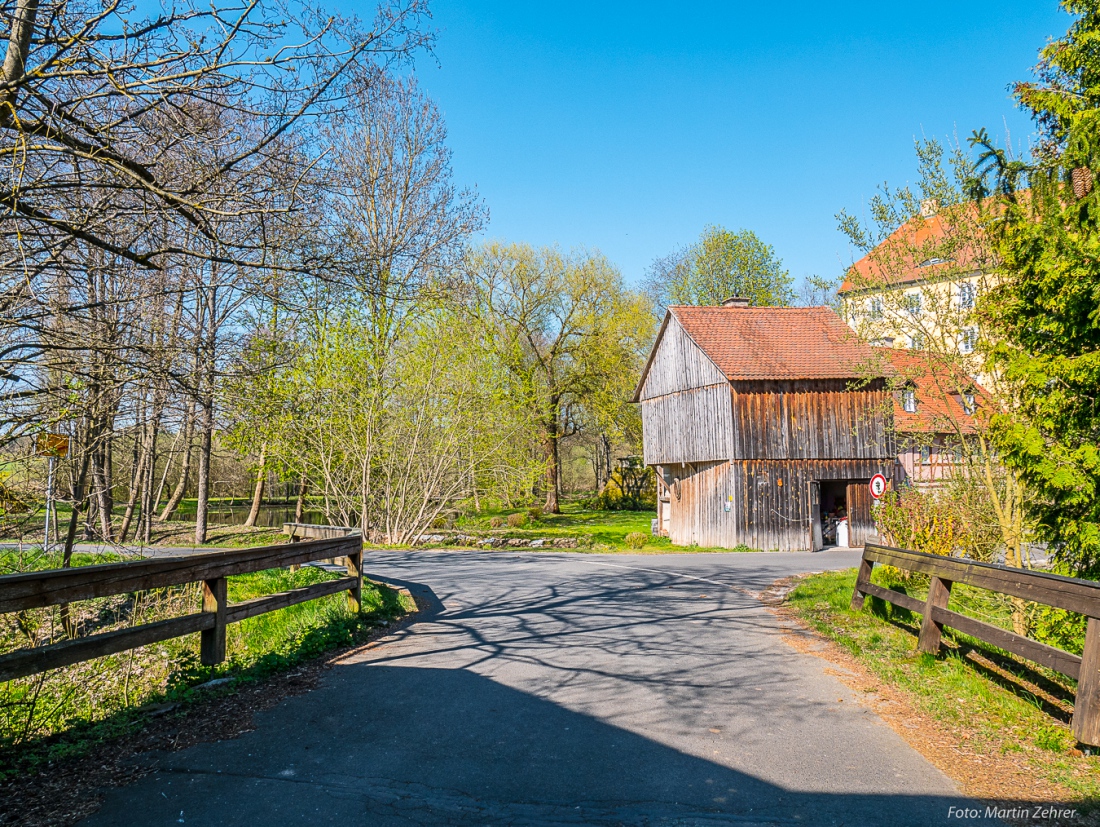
(154, 164)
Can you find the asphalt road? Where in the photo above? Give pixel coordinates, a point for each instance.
(557, 688)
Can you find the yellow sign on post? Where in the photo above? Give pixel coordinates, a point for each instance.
(52, 445)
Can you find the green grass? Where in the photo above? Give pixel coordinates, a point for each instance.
(597, 531)
(68, 712)
(1000, 712)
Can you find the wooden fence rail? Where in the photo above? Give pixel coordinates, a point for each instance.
(1071, 594)
(37, 589)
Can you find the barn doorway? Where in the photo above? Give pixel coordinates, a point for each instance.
(834, 509)
(841, 514)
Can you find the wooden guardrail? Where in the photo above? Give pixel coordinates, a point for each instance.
(1071, 594)
(37, 589)
(309, 531)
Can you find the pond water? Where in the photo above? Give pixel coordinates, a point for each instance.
(270, 516)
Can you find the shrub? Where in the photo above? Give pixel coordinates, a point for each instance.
(518, 519)
(635, 494)
(954, 520)
(496, 522)
(535, 513)
(635, 539)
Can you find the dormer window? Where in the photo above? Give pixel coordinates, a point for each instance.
(969, 404)
(909, 400)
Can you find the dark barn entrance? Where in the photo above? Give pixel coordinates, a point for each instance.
(832, 501)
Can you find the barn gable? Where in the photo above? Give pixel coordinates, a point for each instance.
(676, 363)
(762, 423)
(687, 413)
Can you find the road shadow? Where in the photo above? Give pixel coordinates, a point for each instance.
(452, 722)
(388, 745)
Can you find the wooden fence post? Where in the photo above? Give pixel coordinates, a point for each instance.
(355, 569)
(214, 599)
(1086, 707)
(939, 592)
(864, 577)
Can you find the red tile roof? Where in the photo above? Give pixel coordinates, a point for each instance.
(919, 249)
(777, 342)
(938, 384)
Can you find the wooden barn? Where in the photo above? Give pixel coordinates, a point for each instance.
(764, 425)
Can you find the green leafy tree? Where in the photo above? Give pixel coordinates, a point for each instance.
(570, 334)
(721, 264)
(1046, 223)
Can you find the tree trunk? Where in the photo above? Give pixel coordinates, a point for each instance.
(102, 484)
(258, 492)
(15, 59)
(300, 504)
(70, 535)
(473, 481)
(550, 476)
(185, 469)
(158, 495)
(136, 486)
(147, 504)
(205, 443)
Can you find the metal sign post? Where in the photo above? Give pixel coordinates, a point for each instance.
(49, 505)
(53, 446)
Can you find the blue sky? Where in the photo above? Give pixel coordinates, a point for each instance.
(628, 127)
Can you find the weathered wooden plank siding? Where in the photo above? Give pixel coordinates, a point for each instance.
(769, 502)
(698, 515)
(689, 426)
(678, 365)
(861, 521)
(810, 420)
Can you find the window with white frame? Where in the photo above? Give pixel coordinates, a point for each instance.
(967, 293)
(969, 340)
(916, 341)
(926, 455)
(874, 307)
(913, 303)
(909, 400)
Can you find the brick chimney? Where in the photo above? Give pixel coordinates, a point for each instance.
(735, 301)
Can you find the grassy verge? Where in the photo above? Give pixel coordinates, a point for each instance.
(172, 533)
(598, 531)
(66, 713)
(1001, 708)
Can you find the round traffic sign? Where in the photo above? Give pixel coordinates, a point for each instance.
(878, 486)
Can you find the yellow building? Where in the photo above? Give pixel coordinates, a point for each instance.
(919, 287)
(917, 292)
